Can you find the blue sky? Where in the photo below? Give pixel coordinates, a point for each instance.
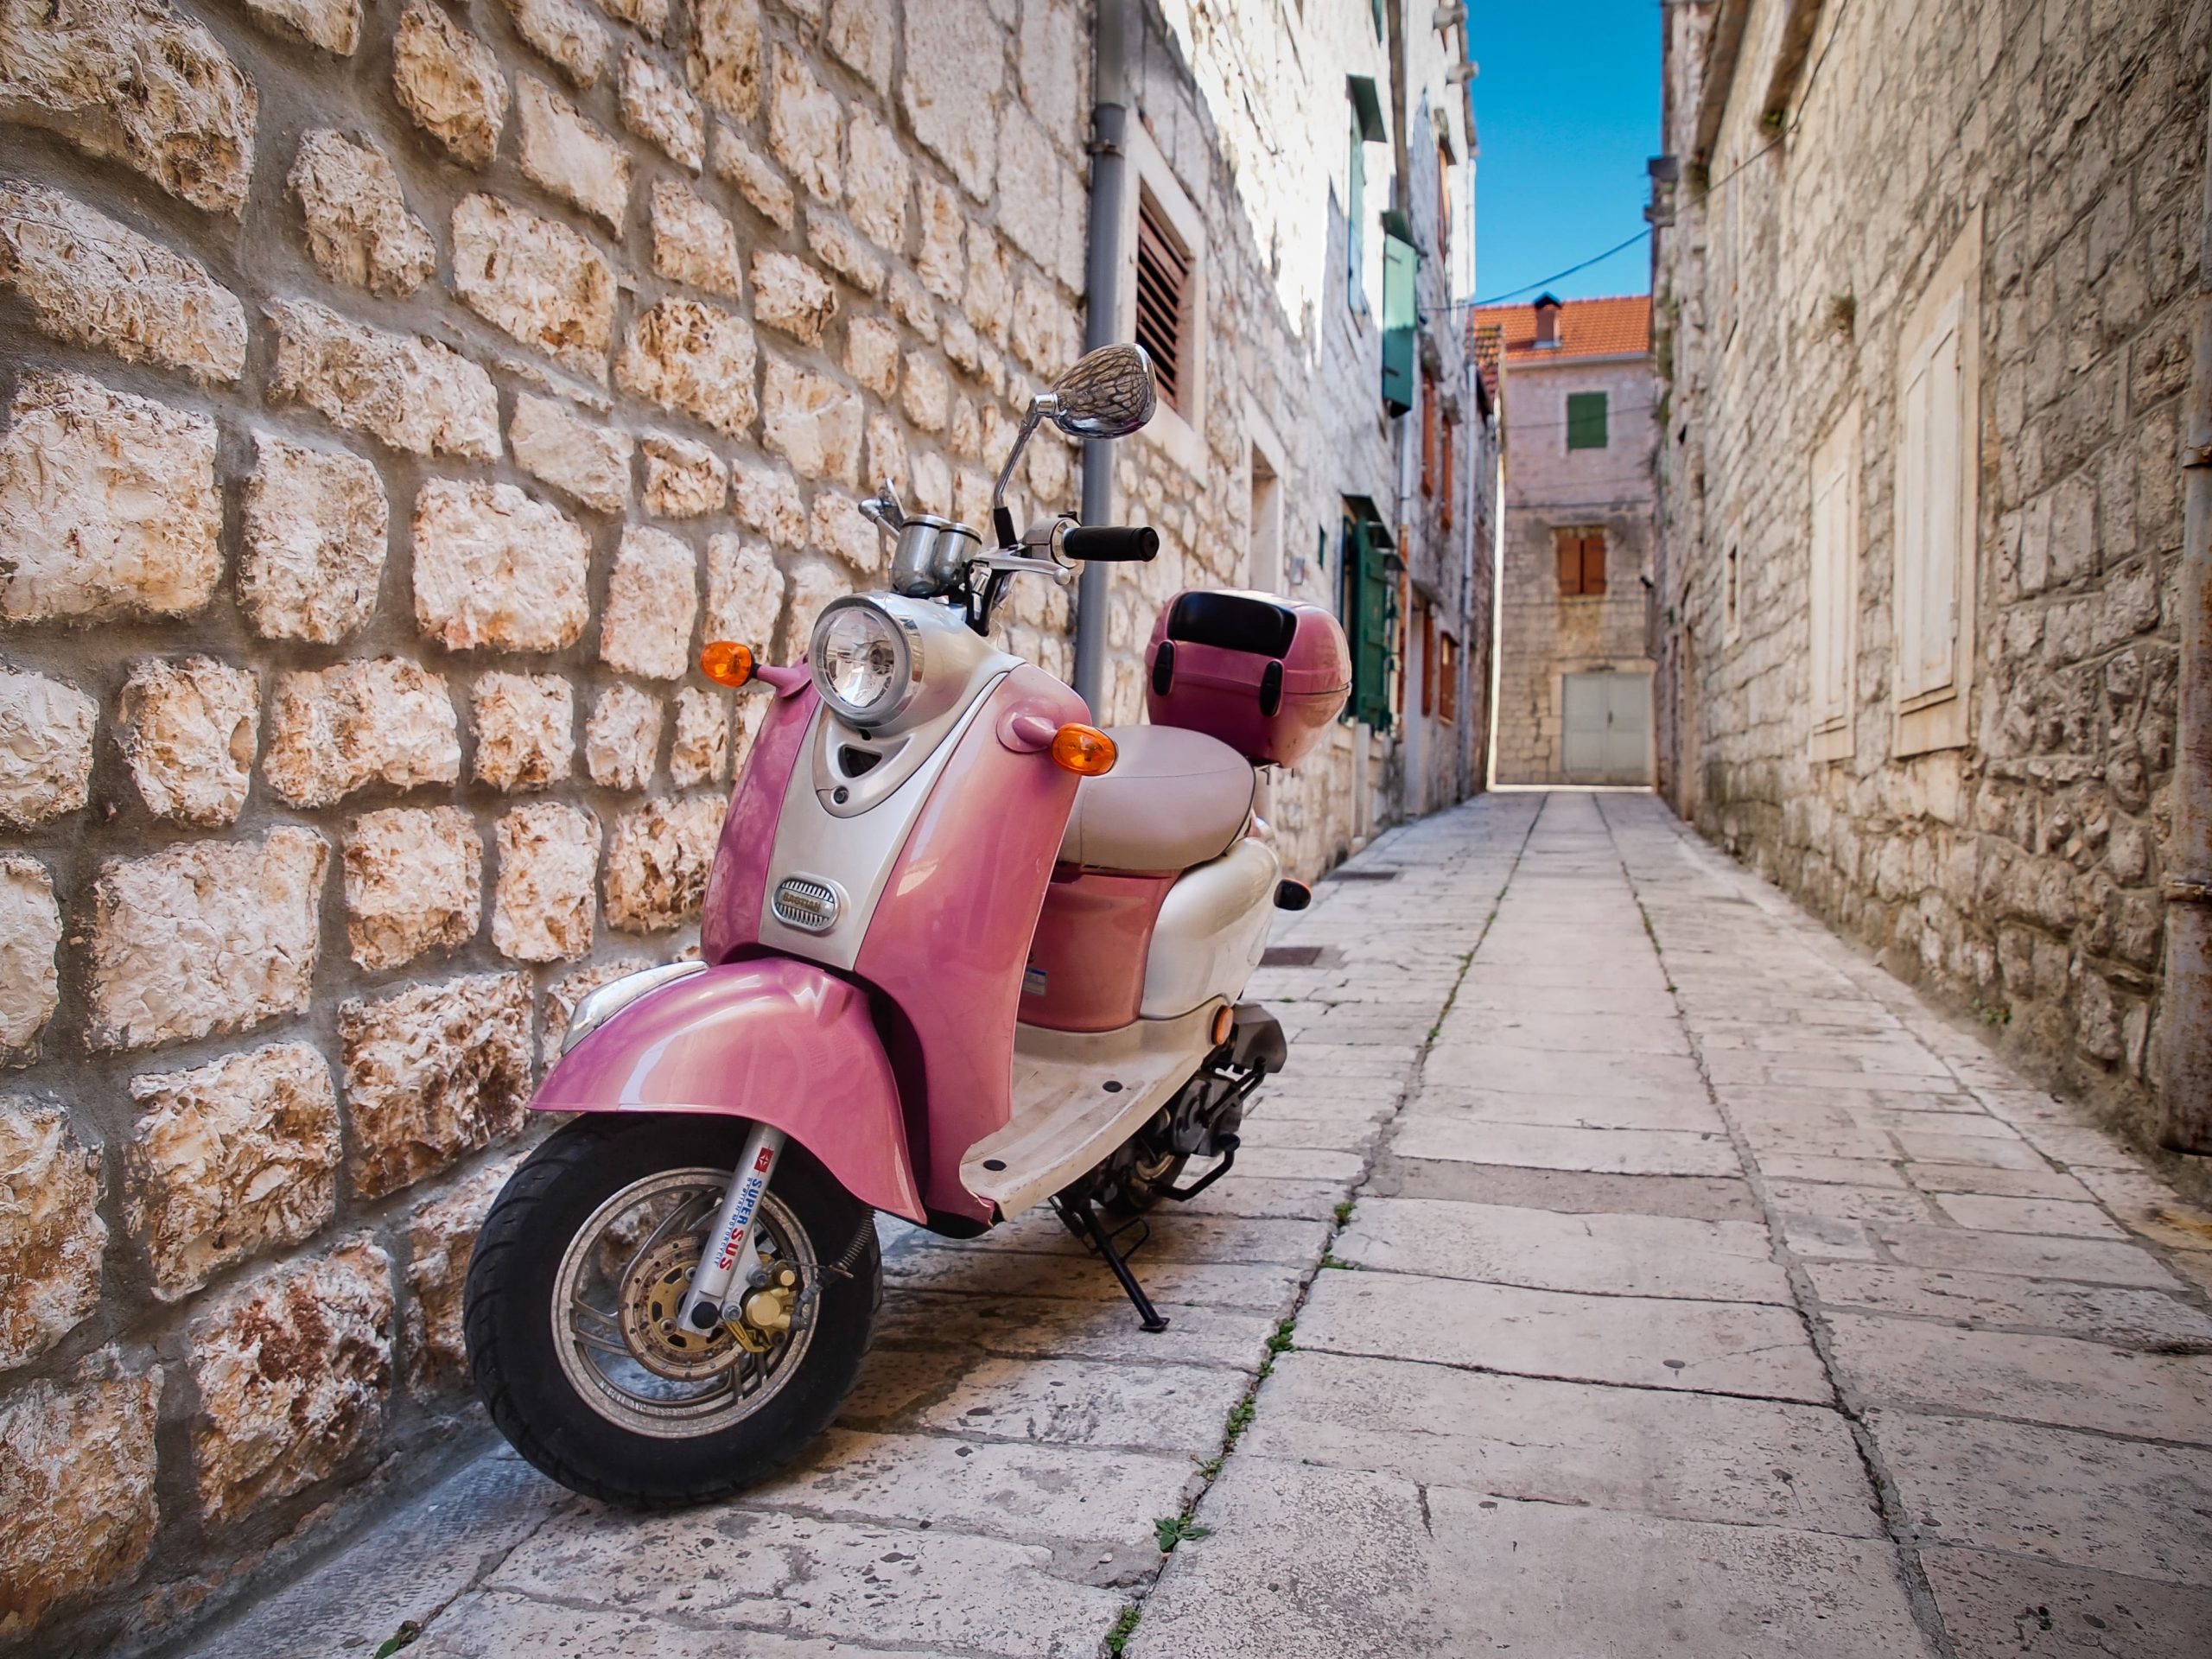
(1566, 108)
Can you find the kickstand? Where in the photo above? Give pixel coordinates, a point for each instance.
(1082, 1221)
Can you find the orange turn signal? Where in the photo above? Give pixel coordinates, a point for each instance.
(1084, 750)
(1224, 1021)
(726, 663)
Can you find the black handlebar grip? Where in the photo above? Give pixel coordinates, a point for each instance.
(1112, 544)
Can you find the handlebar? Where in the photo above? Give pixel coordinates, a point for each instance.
(1112, 543)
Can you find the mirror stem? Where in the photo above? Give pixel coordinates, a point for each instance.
(1001, 520)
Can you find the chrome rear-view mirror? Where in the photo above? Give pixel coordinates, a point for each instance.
(1109, 393)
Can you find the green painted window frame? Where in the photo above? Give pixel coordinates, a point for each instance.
(1369, 611)
(1585, 420)
(1401, 313)
(1355, 219)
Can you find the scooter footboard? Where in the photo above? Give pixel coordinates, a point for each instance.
(774, 1041)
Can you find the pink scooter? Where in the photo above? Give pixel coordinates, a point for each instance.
(961, 953)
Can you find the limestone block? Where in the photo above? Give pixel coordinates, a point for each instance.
(876, 181)
(887, 448)
(1030, 172)
(230, 1158)
(652, 601)
(813, 422)
(206, 936)
(657, 107)
(494, 569)
(561, 999)
(315, 523)
(51, 1234)
(188, 727)
(814, 584)
(622, 737)
(535, 278)
(871, 354)
(1045, 333)
(692, 243)
(588, 462)
(650, 16)
(564, 32)
(30, 931)
(334, 25)
(941, 263)
(767, 499)
(77, 1464)
(910, 303)
(523, 726)
(837, 527)
(441, 1237)
(694, 360)
(927, 398)
(745, 592)
(700, 751)
(138, 80)
(543, 905)
(790, 295)
(931, 477)
(1050, 54)
(656, 866)
(293, 1370)
(989, 295)
(683, 480)
(962, 346)
(95, 282)
(359, 228)
(450, 82)
(955, 67)
(109, 506)
(576, 159)
(804, 119)
(431, 1073)
(755, 177)
(838, 247)
(413, 883)
(335, 730)
(861, 32)
(409, 392)
(726, 55)
(46, 748)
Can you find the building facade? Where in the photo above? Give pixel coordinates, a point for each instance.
(1573, 669)
(1923, 276)
(398, 394)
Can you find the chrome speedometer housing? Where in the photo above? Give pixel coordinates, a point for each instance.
(866, 660)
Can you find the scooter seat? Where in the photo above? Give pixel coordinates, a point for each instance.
(1174, 800)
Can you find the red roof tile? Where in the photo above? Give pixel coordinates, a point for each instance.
(1604, 328)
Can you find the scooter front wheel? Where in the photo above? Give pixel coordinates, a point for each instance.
(573, 1291)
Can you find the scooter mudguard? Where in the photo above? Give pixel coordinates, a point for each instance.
(773, 1039)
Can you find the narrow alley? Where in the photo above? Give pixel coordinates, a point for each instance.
(1622, 1265)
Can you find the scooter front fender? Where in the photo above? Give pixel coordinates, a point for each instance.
(773, 1039)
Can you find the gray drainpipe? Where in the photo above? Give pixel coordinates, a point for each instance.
(1109, 167)
(2188, 1126)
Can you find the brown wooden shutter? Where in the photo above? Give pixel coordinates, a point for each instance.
(1450, 441)
(1569, 544)
(1428, 434)
(1163, 302)
(1427, 660)
(1593, 562)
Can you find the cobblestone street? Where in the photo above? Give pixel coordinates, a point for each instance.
(1622, 1266)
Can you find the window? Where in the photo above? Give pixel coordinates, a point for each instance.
(1264, 567)
(1732, 597)
(1443, 196)
(1163, 319)
(1430, 434)
(1581, 561)
(1585, 420)
(1448, 678)
(1369, 618)
(1427, 658)
(1355, 219)
(1832, 604)
(1449, 444)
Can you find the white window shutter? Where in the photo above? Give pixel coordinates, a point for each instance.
(1930, 480)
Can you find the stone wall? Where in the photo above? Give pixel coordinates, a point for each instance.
(1545, 634)
(397, 393)
(2018, 873)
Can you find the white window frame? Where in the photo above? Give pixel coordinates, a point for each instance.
(1937, 484)
(1178, 434)
(1831, 607)
(1264, 448)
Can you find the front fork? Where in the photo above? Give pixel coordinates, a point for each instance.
(731, 1242)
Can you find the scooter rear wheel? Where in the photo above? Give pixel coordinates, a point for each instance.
(575, 1281)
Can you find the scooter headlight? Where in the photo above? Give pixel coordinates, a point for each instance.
(864, 665)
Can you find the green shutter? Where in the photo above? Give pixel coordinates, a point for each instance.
(1355, 220)
(1368, 593)
(1400, 261)
(1585, 420)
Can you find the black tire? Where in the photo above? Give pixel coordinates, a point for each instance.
(513, 1350)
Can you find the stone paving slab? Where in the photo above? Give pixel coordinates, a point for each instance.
(1591, 1110)
(1618, 1152)
(2117, 1315)
(2001, 1607)
(1640, 1256)
(1696, 1457)
(1700, 1197)
(1639, 1341)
